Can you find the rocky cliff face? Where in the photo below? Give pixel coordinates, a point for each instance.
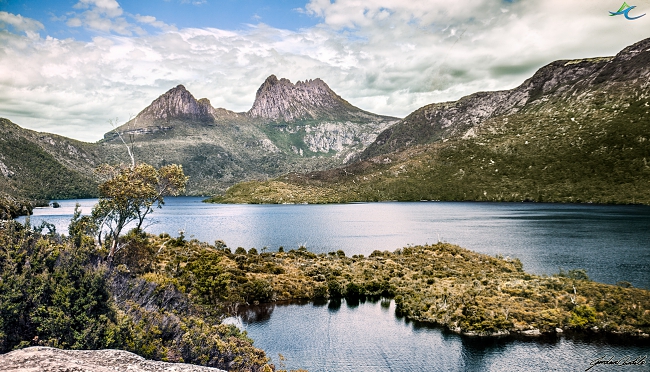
(282, 100)
(56, 360)
(557, 80)
(176, 105)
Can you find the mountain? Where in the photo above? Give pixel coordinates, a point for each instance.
(559, 79)
(176, 106)
(42, 166)
(280, 100)
(290, 127)
(576, 131)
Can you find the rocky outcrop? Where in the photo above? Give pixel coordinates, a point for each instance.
(281, 100)
(49, 359)
(177, 104)
(5, 171)
(339, 136)
(557, 80)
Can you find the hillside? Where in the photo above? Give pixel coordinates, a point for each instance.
(577, 131)
(42, 166)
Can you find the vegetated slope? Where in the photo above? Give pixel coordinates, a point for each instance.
(43, 166)
(62, 292)
(290, 127)
(575, 132)
(557, 80)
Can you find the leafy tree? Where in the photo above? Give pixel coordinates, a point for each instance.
(130, 194)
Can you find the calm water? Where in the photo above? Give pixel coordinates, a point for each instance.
(611, 242)
(369, 337)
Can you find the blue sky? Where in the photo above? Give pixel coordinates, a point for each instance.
(223, 14)
(71, 67)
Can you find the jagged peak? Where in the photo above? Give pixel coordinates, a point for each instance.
(280, 99)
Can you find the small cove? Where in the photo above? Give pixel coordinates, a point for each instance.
(367, 336)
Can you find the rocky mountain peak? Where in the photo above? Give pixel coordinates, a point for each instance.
(279, 99)
(176, 103)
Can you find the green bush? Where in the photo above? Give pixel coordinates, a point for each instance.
(51, 294)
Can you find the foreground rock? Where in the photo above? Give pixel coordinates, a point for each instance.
(38, 358)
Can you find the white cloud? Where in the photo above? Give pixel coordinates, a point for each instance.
(389, 57)
(108, 7)
(106, 16)
(152, 21)
(21, 24)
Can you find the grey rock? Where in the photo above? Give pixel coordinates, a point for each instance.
(5, 170)
(38, 358)
(279, 99)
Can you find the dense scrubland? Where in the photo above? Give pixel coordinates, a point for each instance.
(163, 297)
(61, 291)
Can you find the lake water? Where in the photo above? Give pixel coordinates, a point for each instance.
(611, 242)
(369, 337)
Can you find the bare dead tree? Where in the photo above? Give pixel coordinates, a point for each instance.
(129, 147)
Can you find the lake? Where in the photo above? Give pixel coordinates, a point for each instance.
(611, 242)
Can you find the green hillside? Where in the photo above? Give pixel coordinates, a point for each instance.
(587, 148)
(37, 166)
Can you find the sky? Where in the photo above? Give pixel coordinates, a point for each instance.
(77, 67)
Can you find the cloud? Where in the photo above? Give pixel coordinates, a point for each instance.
(21, 24)
(152, 21)
(105, 16)
(108, 7)
(389, 57)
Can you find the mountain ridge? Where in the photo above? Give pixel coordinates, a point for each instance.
(438, 121)
(281, 100)
(290, 127)
(576, 131)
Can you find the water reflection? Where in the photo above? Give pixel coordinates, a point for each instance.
(368, 336)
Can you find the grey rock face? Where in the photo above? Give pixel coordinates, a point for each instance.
(49, 359)
(5, 170)
(177, 103)
(341, 137)
(310, 99)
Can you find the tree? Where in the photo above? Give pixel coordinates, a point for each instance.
(129, 194)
